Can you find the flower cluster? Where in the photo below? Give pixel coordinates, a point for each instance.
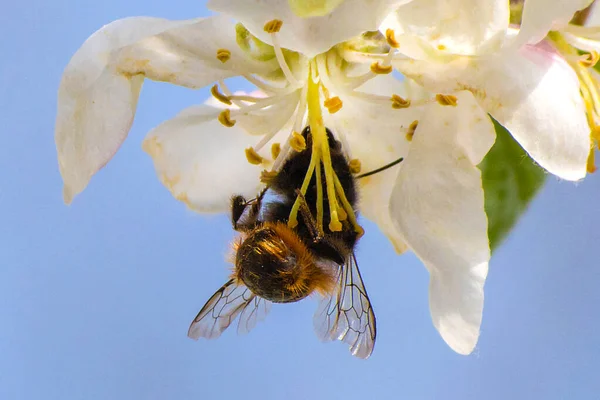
(336, 63)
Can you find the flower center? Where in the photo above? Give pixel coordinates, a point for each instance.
(314, 84)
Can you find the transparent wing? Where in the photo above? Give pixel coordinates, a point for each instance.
(223, 308)
(347, 314)
(256, 310)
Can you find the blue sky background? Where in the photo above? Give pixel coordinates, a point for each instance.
(96, 298)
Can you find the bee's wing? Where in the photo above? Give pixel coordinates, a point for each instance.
(222, 309)
(347, 314)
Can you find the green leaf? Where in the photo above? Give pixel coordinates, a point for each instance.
(511, 180)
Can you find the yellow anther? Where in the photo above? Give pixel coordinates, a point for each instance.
(253, 157)
(399, 102)
(333, 104)
(589, 60)
(390, 36)
(441, 47)
(225, 118)
(335, 225)
(273, 26)
(267, 177)
(411, 130)
(219, 96)
(446, 99)
(381, 69)
(355, 166)
(297, 142)
(223, 55)
(275, 150)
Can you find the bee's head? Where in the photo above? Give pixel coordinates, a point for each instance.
(275, 264)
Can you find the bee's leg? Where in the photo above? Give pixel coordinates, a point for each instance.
(238, 207)
(315, 231)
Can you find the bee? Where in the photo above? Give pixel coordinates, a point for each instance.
(274, 263)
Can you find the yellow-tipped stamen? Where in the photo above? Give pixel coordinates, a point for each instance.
(333, 104)
(390, 37)
(319, 136)
(399, 102)
(297, 142)
(275, 150)
(379, 69)
(293, 220)
(223, 55)
(225, 118)
(319, 197)
(273, 26)
(589, 60)
(355, 166)
(267, 177)
(253, 157)
(411, 130)
(348, 207)
(219, 96)
(446, 99)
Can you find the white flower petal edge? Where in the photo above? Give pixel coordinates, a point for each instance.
(99, 90)
(533, 93)
(463, 27)
(541, 16)
(311, 35)
(202, 162)
(438, 205)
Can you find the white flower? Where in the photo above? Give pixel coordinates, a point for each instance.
(530, 90)
(432, 202)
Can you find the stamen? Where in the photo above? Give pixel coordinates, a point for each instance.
(411, 130)
(319, 197)
(223, 55)
(275, 150)
(220, 96)
(267, 177)
(390, 37)
(446, 99)
(399, 102)
(333, 104)
(348, 207)
(225, 118)
(297, 142)
(379, 69)
(273, 26)
(293, 220)
(355, 166)
(589, 60)
(253, 157)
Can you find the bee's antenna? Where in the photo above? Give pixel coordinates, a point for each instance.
(375, 171)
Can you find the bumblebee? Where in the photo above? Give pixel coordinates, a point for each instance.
(275, 263)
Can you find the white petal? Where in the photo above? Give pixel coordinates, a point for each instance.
(533, 93)
(312, 35)
(464, 27)
(437, 204)
(313, 8)
(541, 16)
(100, 86)
(376, 135)
(202, 162)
